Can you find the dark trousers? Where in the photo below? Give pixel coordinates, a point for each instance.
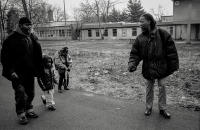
(24, 94)
(63, 81)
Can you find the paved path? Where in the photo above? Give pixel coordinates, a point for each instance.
(84, 111)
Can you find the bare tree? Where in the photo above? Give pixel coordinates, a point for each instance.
(58, 14)
(25, 8)
(95, 11)
(3, 7)
(86, 11)
(37, 10)
(158, 13)
(12, 19)
(106, 6)
(114, 16)
(79, 22)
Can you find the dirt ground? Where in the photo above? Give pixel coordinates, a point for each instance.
(101, 67)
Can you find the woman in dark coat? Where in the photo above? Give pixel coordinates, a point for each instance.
(157, 50)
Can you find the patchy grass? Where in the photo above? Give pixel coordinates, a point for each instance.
(101, 67)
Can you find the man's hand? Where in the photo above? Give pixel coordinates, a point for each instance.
(14, 76)
(15, 79)
(131, 68)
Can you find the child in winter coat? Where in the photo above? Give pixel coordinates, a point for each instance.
(63, 64)
(46, 82)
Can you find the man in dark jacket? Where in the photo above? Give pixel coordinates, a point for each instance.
(160, 59)
(21, 57)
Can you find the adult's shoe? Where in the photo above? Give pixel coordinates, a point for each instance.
(148, 112)
(22, 119)
(66, 88)
(51, 108)
(165, 114)
(31, 115)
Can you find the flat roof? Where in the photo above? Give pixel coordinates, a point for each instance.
(56, 24)
(109, 25)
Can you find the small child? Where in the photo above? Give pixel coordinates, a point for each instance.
(63, 64)
(46, 82)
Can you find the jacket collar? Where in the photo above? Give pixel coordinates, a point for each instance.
(153, 33)
(18, 30)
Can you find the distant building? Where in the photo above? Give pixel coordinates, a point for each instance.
(167, 18)
(119, 30)
(55, 30)
(183, 25)
(186, 19)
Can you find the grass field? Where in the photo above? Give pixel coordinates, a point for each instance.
(101, 67)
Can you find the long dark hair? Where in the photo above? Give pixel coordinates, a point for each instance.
(45, 59)
(150, 18)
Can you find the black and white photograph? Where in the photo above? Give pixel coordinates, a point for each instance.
(100, 64)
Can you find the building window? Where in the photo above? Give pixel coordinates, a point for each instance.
(124, 32)
(61, 33)
(114, 32)
(134, 31)
(41, 33)
(171, 30)
(69, 32)
(105, 32)
(51, 33)
(57, 32)
(97, 33)
(89, 33)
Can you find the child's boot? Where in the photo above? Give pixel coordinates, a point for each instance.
(51, 108)
(22, 119)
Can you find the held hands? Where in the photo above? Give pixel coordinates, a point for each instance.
(67, 69)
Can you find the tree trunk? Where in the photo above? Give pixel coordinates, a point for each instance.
(2, 29)
(25, 8)
(97, 5)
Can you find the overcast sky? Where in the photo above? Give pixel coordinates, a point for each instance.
(147, 4)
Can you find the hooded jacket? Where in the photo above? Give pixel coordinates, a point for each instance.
(62, 61)
(46, 82)
(158, 53)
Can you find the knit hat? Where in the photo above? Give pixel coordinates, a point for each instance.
(65, 48)
(24, 20)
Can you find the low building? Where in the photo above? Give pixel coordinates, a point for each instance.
(119, 30)
(55, 30)
(186, 19)
(183, 25)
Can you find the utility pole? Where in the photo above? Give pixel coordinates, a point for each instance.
(1, 21)
(65, 21)
(98, 15)
(30, 9)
